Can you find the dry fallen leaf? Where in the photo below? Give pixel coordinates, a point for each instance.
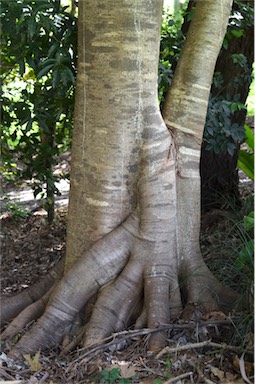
(126, 370)
(218, 373)
(34, 362)
(214, 315)
(230, 377)
(243, 366)
(237, 363)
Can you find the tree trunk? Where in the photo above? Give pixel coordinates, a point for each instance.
(133, 220)
(184, 113)
(50, 197)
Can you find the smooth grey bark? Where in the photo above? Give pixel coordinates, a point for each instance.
(116, 98)
(129, 234)
(184, 112)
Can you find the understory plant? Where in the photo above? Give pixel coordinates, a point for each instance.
(38, 79)
(246, 155)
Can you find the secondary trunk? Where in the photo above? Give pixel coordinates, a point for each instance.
(184, 113)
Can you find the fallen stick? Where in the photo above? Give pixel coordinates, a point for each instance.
(206, 343)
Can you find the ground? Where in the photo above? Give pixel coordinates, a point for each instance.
(216, 349)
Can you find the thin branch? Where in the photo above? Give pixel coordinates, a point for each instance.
(44, 378)
(119, 337)
(6, 375)
(206, 343)
(182, 376)
(202, 376)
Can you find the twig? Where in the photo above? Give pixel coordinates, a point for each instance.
(201, 344)
(76, 341)
(44, 378)
(14, 382)
(207, 381)
(6, 375)
(182, 376)
(200, 374)
(119, 337)
(161, 327)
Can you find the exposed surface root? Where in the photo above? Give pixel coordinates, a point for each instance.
(125, 267)
(202, 288)
(39, 337)
(30, 313)
(74, 290)
(116, 304)
(11, 306)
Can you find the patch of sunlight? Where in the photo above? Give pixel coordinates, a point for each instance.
(251, 98)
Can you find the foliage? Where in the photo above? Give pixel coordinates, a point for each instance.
(113, 376)
(17, 210)
(221, 133)
(171, 44)
(251, 98)
(38, 76)
(246, 156)
(244, 261)
(244, 264)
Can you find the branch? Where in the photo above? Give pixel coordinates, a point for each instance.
(206, 343)
(120, 337)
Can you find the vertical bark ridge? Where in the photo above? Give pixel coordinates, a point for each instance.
(116, 304)
(185, 112)
(186, 102)
(117, 80)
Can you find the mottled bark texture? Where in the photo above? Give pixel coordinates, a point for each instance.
(133, 221)
(184, 113)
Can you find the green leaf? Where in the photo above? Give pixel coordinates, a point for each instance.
(53, 49)
(48, 61)
(246, 253)
(55, 78)
(246, 163)
(21, 66)
(249, 221)
(44, 71)
(231, 148)
(31, 27)
(29, 124)
(237, 32)
(225, 43)
(249, 137)
(237, 106)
